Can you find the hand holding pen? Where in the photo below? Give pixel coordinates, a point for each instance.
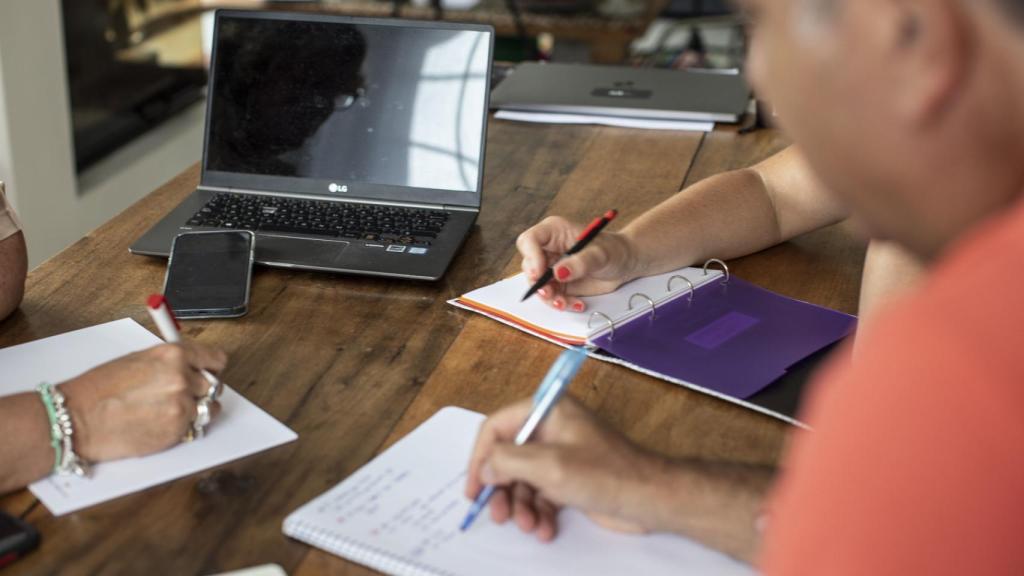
(585, 237)
(575, 460)
(162, 315)
(564, 260)
(548, 394)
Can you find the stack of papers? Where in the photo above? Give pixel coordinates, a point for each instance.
(553, 118)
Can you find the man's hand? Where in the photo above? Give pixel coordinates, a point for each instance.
(608, 262)
(573, 460)
(140, 403)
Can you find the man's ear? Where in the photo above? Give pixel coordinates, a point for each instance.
(930, 57)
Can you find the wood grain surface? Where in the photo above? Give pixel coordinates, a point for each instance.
(352, 364)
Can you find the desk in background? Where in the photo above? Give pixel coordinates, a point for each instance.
(607, 37)
(352, 364)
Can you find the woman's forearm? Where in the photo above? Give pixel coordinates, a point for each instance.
(25, 452)
(733, 214)
(725, 216)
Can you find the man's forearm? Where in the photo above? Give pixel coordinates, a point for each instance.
(25, 452)
(889, 271)
(717, 504)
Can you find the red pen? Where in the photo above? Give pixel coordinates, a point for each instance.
(163, 317)
(588, 234)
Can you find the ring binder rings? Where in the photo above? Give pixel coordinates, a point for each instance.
(669, 292)
(727, 343)
(649, 301)
(668, 285)
(725, 268)
(611, 323)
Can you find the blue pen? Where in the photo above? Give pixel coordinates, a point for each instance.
(544, 400)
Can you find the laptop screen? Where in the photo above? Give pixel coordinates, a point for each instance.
(347, 103)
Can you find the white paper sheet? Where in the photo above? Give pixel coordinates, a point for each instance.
(241, 429)
(621, 122)
(401, 514)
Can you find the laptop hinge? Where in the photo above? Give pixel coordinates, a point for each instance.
(346, 199)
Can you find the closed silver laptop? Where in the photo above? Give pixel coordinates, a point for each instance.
(651, 93)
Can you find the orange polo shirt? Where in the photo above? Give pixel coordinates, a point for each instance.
(916, 463)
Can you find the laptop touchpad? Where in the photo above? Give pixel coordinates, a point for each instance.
(301, 251)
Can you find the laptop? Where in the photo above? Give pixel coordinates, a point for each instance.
(651, 93)
(345, 144)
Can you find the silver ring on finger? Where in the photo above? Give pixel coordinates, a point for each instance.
(202, 417)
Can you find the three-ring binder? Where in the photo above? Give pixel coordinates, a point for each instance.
(698, 327)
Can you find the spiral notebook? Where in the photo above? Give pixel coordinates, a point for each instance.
(696, 327)
(400, 514)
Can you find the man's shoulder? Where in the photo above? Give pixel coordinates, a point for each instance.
(911, 427)
(971, 300)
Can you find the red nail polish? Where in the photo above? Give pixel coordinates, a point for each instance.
(578, 306)
(562, 272)
(559, 304)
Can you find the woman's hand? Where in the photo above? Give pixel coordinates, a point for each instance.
(608, 262)
(573, 460)
(141, 403)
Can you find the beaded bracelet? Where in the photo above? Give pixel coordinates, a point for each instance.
(45, 392)
(61, 433)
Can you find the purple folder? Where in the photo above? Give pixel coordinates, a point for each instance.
(733, 337)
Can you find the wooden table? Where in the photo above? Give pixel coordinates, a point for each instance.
(352, 364)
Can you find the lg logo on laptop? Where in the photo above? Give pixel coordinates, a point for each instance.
(336, 188)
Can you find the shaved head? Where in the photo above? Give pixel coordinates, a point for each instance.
(883, 97)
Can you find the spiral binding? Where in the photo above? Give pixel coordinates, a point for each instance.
(360, 552)
(650, 301)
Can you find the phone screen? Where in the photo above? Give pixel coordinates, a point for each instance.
(208, 273)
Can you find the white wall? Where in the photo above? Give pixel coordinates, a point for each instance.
(36, 151)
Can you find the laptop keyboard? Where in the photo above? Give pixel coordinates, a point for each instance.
(370, 222)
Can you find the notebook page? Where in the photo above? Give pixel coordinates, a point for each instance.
(502, 299)
(408, 504)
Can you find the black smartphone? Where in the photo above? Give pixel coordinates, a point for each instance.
(208, 274)
(17, 538)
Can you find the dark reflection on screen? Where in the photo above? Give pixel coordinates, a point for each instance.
(348, 103)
